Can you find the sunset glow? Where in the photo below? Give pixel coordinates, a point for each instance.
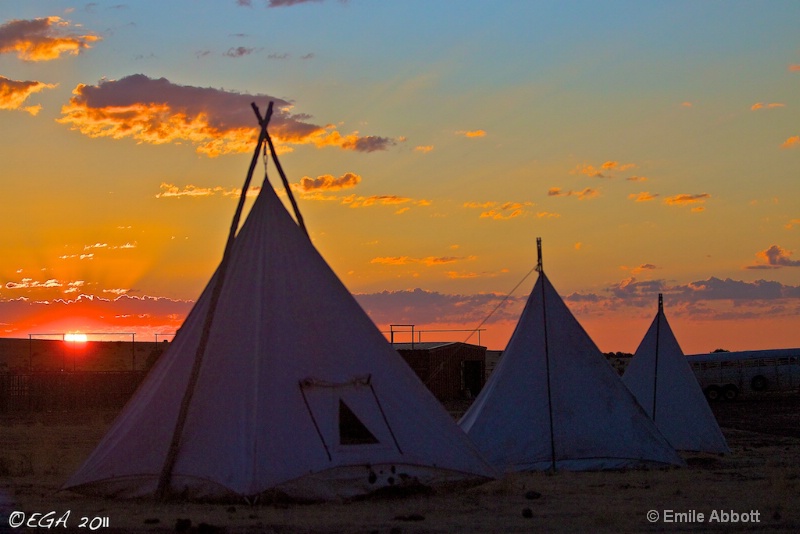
(654, 147)
(76, 338)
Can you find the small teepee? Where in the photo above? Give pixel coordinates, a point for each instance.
(277, 381)
(554, 402)
(660, 377)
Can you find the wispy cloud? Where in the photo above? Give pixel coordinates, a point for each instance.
(173, 191)
(774, 257)
(688, 200)
(42, 39)
(606, 170)
(13, 94)
(794, 67)
(640, 268)
(327, 182)
(461, 275)
(239, 51)
(500, 211)
(423, 148)
(547, 215)
(429, 261)
(644, 196)
(359, 201)
(30, 283)
(793, 141)
(792, 223)
(761, 105)
(287, 3)
(215, 121)
(89, 256)
(472, 133)
(584, 194)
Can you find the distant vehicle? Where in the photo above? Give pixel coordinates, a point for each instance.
(730, 375)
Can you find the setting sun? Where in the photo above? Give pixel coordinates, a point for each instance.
(75, 338)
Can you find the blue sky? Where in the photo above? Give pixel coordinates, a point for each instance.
(653, 146)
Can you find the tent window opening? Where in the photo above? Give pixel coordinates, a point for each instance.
(351, 430)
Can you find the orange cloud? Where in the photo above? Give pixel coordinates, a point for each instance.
(590, 171)
(792, 223)
(642, 267)
(215, 121)
(472, 133)
(686, 104)
(500, 211)
(481, 205)
(794, 68)
(615, 165)
(326, 182)
(610, 165)
(30, 283)
(760, 105)
(430, 261)
(42, 39)
(13, 94)
(547, 215)
(644, 196)
(777, 257)
(582, 195)
(791, 142)
(455, 275)
(173, 191)
(393, 260)
(685, 199)
(423, 148)
(357, 201)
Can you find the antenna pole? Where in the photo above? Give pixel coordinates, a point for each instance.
(539, 266)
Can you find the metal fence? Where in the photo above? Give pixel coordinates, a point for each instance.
(66, 391)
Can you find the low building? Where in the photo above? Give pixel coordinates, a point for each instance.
(451, 370)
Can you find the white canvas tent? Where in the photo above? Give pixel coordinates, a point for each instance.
(660, 377)
(554, 402)
(297, 391)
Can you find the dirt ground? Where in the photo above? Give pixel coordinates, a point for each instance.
(759, 482)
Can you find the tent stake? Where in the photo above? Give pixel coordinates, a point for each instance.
(162, 490)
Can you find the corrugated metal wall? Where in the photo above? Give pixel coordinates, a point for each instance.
(442, 369)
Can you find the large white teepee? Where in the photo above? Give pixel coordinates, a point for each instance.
(660, 377)
(554, 402)
(298, 392)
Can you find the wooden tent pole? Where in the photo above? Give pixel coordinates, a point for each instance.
(278, 166)
(655, 368)
(540, 268)
(162, 490)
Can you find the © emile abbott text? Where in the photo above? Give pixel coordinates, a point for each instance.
(715, 516)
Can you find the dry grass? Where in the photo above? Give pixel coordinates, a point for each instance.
(38, 453)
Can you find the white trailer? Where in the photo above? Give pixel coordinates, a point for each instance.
(730, 375)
